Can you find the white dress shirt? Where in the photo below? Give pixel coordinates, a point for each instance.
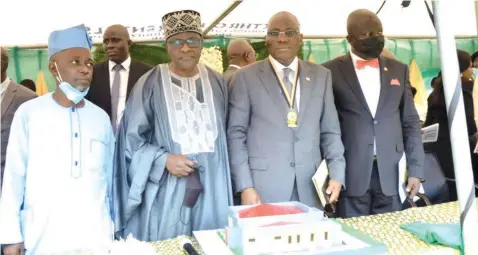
(294, 67)
(124, 75)
(236, 66)
(4, 87)
(369, 79)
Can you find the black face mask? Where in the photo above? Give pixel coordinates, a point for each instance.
(372, 46)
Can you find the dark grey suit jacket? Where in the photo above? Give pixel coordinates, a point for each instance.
(228, 75)
(15, 95)
(268, 155)
(396, 126)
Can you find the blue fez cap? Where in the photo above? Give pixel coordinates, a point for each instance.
(73, 37)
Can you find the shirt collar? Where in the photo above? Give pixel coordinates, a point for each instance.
(355, 58)
(5, 84)
(236, 66)
(126, 64)
(280, 66)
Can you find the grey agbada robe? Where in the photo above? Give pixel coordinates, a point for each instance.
(148, 199)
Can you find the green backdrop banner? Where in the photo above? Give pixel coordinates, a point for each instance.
(26, 63)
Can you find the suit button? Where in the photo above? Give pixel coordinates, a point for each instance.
(292, 164)
(370, 145)
(375, 122)
(296, 139)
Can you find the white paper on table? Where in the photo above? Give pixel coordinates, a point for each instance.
(430, 133)
(402, 180)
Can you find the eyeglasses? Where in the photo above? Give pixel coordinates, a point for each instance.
(179, 43)
(287, 34)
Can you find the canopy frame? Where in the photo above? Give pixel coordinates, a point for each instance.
(223, 15)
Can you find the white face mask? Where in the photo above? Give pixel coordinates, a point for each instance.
(71, 92)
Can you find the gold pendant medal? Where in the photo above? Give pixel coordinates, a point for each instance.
(292, 118)
(292, 115)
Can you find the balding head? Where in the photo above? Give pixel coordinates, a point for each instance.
(285, 16)
(4, 63)
(361, 18)
(240, 53)
(364, 31)
(118, 30)
(117, 42)
(283, 38)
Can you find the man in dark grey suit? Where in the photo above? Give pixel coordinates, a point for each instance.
(13, 95)
(277, 140)
(239, 54)
(378, 121)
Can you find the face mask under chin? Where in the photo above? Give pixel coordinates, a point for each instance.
(73, 94)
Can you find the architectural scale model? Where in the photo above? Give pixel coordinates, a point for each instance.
(280, 227)
(285, 228)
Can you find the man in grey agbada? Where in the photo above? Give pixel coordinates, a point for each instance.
(282, 123)
(171, 144)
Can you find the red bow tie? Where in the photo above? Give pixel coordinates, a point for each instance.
(361, 64)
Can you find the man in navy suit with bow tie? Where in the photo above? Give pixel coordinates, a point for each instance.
(378, 121)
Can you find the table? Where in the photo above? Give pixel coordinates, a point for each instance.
(384, 228)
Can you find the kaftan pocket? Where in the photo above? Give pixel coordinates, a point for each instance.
(97, 155)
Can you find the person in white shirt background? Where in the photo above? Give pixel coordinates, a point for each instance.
(239, 54)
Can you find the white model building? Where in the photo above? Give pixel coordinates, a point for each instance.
(307, 231)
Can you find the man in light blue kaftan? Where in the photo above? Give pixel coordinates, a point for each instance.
(171, 138)
(56, 194)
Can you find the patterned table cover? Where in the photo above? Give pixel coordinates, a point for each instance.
(383, 228)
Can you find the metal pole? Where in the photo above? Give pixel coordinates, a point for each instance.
(476, 16)
(221, 17)
(457, 123)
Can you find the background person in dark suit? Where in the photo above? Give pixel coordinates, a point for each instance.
(113, 80)
(474, 60)
(27, 83)
(437, 113)
(239, 53)
(378, 121)
(12, 96)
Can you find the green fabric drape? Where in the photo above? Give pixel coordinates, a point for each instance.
(26, 63)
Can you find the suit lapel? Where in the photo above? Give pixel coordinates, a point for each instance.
(106, 84)
(384, 83)
(7, 100)
(305, 89)
(348, 72)
(269, 81)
